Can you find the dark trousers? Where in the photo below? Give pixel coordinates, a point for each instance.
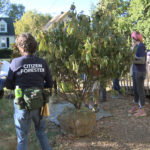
(116, 85)
(55, 85)
(102, 92)
(2, 81)
(138, 88)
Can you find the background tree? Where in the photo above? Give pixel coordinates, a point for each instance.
(15, 11)
(32, 22)
(3, 6)
(137, 18)
(107, 34)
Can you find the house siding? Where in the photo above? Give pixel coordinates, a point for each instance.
(11, 40)
(56, 21)
(9, 35)
(10, 27)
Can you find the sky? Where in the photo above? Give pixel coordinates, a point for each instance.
(55, 7)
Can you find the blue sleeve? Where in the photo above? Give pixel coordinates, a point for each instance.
(9, 83)
(141, 51)
(10, 80)
(48, 78)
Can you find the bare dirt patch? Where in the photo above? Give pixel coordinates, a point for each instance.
(119, 132)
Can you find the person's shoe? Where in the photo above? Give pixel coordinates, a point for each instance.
(55, 92)
(102, 100)
(114, 96)
(140, 113)
(87, 105)
(133, 109)
(119, 96)
(95, 108)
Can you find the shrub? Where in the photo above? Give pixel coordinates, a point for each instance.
(81, 46)
(15, 52)
(5, 53)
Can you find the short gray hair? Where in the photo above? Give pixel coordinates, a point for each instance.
(27, 41)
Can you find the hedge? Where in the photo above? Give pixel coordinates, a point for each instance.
(5, 53)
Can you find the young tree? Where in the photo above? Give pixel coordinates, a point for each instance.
(80, 45)
(111, 43)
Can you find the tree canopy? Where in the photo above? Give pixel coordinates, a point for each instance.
(3, 6)
(136, 18)
(32, 22)
(139, 19)
(15, 11)
(82, 45)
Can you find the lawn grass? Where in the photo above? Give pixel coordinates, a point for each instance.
(6, 117)
(8, 139)
(7, 128)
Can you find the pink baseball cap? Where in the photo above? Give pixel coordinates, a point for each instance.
(137, 36)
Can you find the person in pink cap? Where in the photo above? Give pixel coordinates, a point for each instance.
(139, 73)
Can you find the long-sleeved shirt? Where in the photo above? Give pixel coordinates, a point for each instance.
(140, 52)
(28, 71)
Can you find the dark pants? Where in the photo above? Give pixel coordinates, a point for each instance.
(2, 83)
(138, 88)
(116, 85)
(102, 92)
(22, 119)
(55, 85)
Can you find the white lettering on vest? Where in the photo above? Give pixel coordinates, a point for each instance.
(28, 68)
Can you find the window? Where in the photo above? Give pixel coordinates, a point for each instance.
(3, 26)
(3, 43)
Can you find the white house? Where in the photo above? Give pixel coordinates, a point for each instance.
(63, 17)
(7, 33)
